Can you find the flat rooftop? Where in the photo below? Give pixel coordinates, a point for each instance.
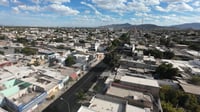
(125, 93)
(41, 80)
(102, 105)
(131, 108)
(140, 81)
(189, 88)
(23, 98)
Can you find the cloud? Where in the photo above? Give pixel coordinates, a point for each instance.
(87, 11)
(125, 6)
(58, 1)
(178, 7)
(92, 7)
(99, 15)
(175, 1)
(4, 2)
(62, 9)
(160, 9)
(16, 2)
(137, 7)
(36, 1)
(15, 10)
(151, 2)
(30, 8)
(196, 4)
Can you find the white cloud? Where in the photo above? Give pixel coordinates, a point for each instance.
(175, 1)
(29, 8)
(4, 2)
(151, 2)
(99, 15)
(36, 1)
(92, 7)
(62, 9)
(15, 10)
(196, 4)
(87, 11)
(137, 6)
(160, 9)
(123, 6)
(58, 1)
(178, 7)
(16, 2)
(110, 4)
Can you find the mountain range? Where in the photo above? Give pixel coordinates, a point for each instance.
(195, 26)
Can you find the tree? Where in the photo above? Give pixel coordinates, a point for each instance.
(70, 60)
(28, 51)
(1, 52)
(80, 95)
(36, 63)
(166, 71)
(125, 38)
(194, 46)
(60, 47)
(168, 54)
(154, 52)
(195, 80)
(112, 59)
(22, 40)
(175, 99)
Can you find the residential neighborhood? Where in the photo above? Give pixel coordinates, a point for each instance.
(99, 70)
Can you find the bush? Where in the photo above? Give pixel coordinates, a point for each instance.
(70, 60)
(28, 51)
(173, 100)
(166, 71)
(195, 80)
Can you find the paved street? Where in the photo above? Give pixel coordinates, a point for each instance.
(69, 97)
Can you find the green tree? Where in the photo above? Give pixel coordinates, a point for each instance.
(166, 71)
(125, 38)
(70, 60)
(28, 51)
(168, 54)
(80, 95)
(112, 59)
(60, 47)
(36, 63)
(22, 40)
(172, 99)
(1, 52)
(194, 46)
(195, 80)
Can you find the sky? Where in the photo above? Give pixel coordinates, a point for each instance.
(91, 13)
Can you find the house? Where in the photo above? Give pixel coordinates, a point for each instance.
(20, 96)
(103, 103)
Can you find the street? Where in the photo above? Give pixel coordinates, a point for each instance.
(69, 98)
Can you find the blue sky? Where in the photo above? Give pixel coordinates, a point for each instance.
(97, 12)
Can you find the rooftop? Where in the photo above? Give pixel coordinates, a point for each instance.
(189, 88)
(140, 81)
(131, 108)
(106, 105)
(125, 93)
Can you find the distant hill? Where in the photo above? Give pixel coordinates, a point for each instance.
(118, 26)
(195, 26)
